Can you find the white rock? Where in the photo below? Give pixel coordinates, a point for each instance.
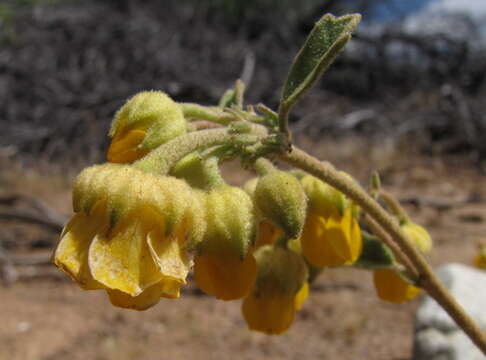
(437, 336)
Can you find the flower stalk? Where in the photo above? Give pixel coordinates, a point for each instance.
(427, 279)
(161, 160)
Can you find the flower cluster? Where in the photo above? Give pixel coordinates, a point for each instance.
(137, 233)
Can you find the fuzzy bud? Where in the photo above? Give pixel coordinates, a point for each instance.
(146, 121)
(281, 199)
(418, 235)
(324, 200)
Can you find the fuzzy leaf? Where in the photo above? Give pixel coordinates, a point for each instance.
(326, 40)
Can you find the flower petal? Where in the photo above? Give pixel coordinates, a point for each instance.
(316, 246)
(272, 315)
(344, 235)
(71, 254)
(124, 147)
(147, 298)
(226, 276)
(122, 260)
(301, 296)
(392, 288)
(169, 255)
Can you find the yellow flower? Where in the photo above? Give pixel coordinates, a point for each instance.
(333, 241)
(130, 235)
(278, 292)
(392, 288)
(146, 121)
(224, 263)
(125, 146)
(224, 275)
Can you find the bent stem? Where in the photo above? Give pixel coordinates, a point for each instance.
(427, 279)
(161, 160)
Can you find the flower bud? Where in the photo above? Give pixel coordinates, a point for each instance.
(281, 199)
(272, 303)
(331, 242)
(323, 199)
(146, 121)
(392, 288)
(224, 265)
(418, 235)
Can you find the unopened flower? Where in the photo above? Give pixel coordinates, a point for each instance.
(281, 200)
(278, 292)
(146, 121)
(418, 235)
(224, 263)
(130, 234)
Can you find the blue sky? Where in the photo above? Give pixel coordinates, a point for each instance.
(392, 9)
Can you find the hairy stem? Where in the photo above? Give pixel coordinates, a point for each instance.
(412, 273)
(161, 160)
(394, 206)
(199, 112)
(427, 279)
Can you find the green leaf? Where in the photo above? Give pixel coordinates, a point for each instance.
(375, 255)
(326, 40)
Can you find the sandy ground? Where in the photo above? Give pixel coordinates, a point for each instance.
(50, 319)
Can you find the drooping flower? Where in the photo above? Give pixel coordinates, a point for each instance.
(224, 265)
(391, 287)
(331, 235)
(279, 290)
(130, 234)
(333, 241)
(146, 121)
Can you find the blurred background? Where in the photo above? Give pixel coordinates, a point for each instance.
(405, 98)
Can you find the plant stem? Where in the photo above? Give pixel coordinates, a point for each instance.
(427, 279)
(397, 252)
(283, 122)
(263, 166)
(161, 160)
(199, 112)
(394, 205)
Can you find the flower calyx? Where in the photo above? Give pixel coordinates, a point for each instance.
(146, 121)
